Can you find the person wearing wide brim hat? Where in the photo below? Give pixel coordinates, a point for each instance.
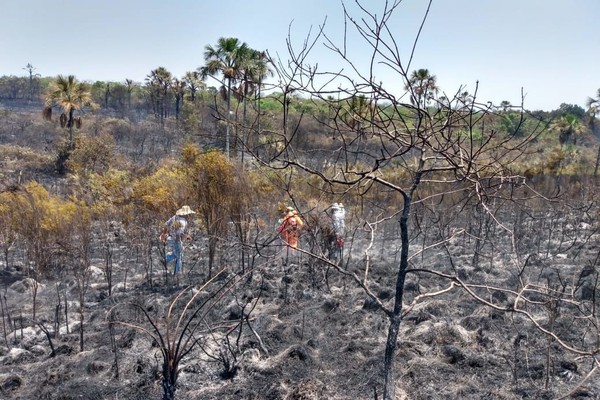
(289, 226)
(174, 231)
(185, 210)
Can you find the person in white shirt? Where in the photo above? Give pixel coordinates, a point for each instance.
(174, 231)
(337, 213)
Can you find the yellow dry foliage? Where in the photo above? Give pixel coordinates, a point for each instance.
(92, 154)
(8, 221)
(41, 220)
(36, 206)
(164, 191)
(211, 179)
(218, 190)
(112, 187)
(261, 181)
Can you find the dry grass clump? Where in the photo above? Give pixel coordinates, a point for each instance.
(442, 333)
(23, 158)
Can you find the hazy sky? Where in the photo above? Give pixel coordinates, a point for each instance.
(550, 49)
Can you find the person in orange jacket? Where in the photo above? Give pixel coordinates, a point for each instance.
(289, 226)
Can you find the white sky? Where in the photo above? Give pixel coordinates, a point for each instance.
(548, 48)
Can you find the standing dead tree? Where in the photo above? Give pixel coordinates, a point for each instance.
(78, 247)
(42, 219)
(181, 329)
(418, 152)
(225, 348)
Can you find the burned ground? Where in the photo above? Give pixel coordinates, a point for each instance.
(313, 333)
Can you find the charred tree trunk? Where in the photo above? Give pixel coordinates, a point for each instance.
(597, 162)
(170, 373)
(396, 315)
(212, 251)
(70, 125)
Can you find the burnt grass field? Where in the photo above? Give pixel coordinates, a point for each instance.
(290, 325)
(471, 262)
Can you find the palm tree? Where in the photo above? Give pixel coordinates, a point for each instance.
(568, 127)
(30, 68)
(594, 104)
(247, 60)
(178, 87)
(422, 87)
(359, 112)
(505, 105)
(255, 68)
(464, 97)
(159, 82)
(225, 59)
(70, 96)
(129, 84)
(593, 110)
(193, 83)
(262, 70)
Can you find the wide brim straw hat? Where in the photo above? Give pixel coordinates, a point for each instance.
(185, 210)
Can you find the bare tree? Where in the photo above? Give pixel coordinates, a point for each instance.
(180, 330)
(32, 76)
(418, 152)
(78, 247)
(40, 224)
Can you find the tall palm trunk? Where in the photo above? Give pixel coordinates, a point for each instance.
(597, 162)
(258, 108)
(257, 140)
(595, 131)
(71, 145)
(246, 129)
(228, 116)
